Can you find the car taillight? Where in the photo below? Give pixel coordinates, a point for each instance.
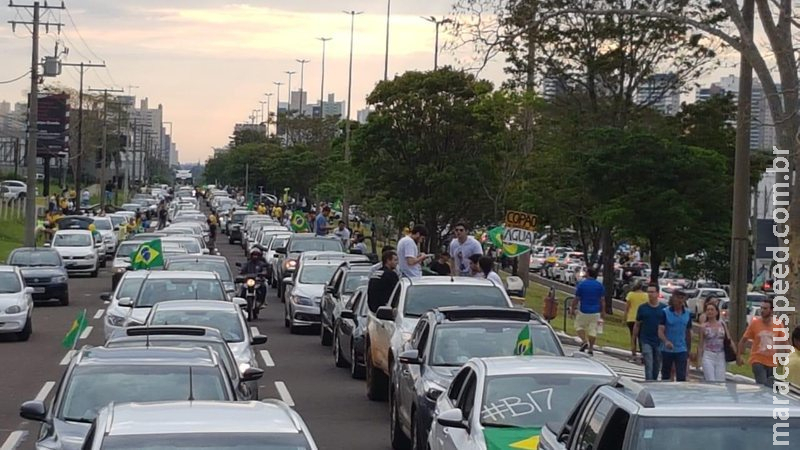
(767, 286)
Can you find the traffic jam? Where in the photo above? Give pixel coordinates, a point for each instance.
(458, 362)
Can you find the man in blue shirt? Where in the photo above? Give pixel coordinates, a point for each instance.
(648, 318)
(321, 224)
(675, 333)
(590, 295)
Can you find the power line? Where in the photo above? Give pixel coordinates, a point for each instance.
(16, 79)
(72, 21)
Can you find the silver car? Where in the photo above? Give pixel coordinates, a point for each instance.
(201, 425)
(127, 287)
(305, 292)
(16, 304)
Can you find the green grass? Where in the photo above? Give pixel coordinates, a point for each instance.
(12, 234)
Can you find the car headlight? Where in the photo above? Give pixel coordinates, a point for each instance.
(59, 279)
(290, 264)
(120, 269)
(89, 256)
(296, 299)
(115, 321)
(13, 309)
(433, 391)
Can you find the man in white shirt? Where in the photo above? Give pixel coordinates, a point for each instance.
(408, 251)
(343, 233)
(461, 249)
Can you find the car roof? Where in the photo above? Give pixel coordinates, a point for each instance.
(166, 333)
(541, 364)
(297, 236)
(166, 356)
(461, 314)
(196, 305)
(203, 417)
(446, 280)
(73, 231)
(321, 262)
(35, 249)
(707, 399)
(5, 268)
(182, 274)
(198, 258)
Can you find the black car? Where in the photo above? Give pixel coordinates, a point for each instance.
(345, 281)
(235, 225)
(444, 340)
(97, 376)
(44, 271)
(299, 243)
(349, 334)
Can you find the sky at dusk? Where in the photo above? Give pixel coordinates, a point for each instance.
(209, 62)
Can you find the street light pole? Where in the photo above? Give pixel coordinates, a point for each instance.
(433, 20)
(269, 97)
(278, 105)
(290, 73)
(345, 203)
(302, 70)
(322, 84)
(386, 58)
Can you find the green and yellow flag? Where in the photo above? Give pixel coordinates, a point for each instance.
(74, 333)
(299, 223)
(148, 256)
(511, 438)
(524, 345)
(495, 236)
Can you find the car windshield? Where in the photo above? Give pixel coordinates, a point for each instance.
(532, 400)
(354, 281)
(191, 245)
(454, 344)
(423, 298)
(227, 322)
(39, 258)
(310, 245)
(93, 387)
(117, 220)
(160, 290)
(215, 441)
(103, 224)
(72, 240)
(126, 248)
(218, 267)
(129, 287)
(9, 283)
(317, 274)
(278, 242)
(706, 433)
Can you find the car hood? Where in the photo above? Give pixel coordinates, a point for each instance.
(241, 351)
(70, 435)
(107, 233)
(75, 251)
(309, 290)
(42, 272)
(138, 314)
(7, 300)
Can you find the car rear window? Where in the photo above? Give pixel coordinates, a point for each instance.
(423, 298)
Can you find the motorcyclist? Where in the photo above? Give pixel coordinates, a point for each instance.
(256, 265)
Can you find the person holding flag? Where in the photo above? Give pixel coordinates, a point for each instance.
(298, 222)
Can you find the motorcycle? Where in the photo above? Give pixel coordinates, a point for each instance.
(253, 283)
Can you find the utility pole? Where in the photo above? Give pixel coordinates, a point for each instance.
(438, 23)
(345, 202)
(322, 84)
(302, 70)
(262, 110)
(33, 115)
(104, 150)
(386, 58)
(78, 161)
(741, 190)
(278, 84)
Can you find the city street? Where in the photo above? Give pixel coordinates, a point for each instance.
(298, 370)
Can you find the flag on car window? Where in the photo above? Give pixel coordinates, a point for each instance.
(148, 255)
(524, 343)
(74, 333)
(299, 223)
(511, 438)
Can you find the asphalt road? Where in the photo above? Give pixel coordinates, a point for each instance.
(297, 369)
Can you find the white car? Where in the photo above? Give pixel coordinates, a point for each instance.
(127, 287)
(573, 273)
(105, 227)
(695, 304)
(79, 250)
(13, 189)
(16, 304)
(302, 307)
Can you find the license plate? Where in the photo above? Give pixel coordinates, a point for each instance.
(38, 290)
(71, 264)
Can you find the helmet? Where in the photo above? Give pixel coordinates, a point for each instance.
(255, 252)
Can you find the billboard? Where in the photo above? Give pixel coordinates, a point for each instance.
(53, 125)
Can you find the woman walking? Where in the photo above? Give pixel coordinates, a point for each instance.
(711, 350)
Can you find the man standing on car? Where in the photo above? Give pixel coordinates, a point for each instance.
(321, 224)
(383, 281)
(675, 333)
(590, 298)
(461, 249)
(408, 252)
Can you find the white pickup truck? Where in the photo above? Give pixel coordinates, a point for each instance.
(391, 325)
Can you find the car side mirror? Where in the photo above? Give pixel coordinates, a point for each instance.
(125, 302)
(238, 264)
(46, 245)
(347, 314)
(206, 251)
(106, 297)
(452, 418)
(410, 357)
(281, 250)
(258, 340)
(288, 281)
(329, 289)
(33, 410)
(385, 313)
(252, 374)
(240, 302)
(238, 279)
(28, 290)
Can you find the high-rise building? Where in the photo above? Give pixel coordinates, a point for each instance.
(332, 108)
(660, 93)
(363, 115)
(298, 101)
(552, 87)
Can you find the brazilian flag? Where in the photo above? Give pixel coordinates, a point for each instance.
(74, 333)
(511, 438)
(495, 235)
(524, 342)
(148, 255)
(299, 223)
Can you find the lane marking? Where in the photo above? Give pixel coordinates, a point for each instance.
(45, 391)
(13, 440)
(267, 358)
(284, 393)
(86, 332)
(99, 313)
(67, 358)
(254, 331)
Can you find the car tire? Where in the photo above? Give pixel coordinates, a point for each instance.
(417, 442)
(64, 301)
(230, 241)
(26, 332)
(103, 263)
(338, 359)
(377, 381)
(356, 372)
(94, 274)
(399, 439)
(325, 336)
